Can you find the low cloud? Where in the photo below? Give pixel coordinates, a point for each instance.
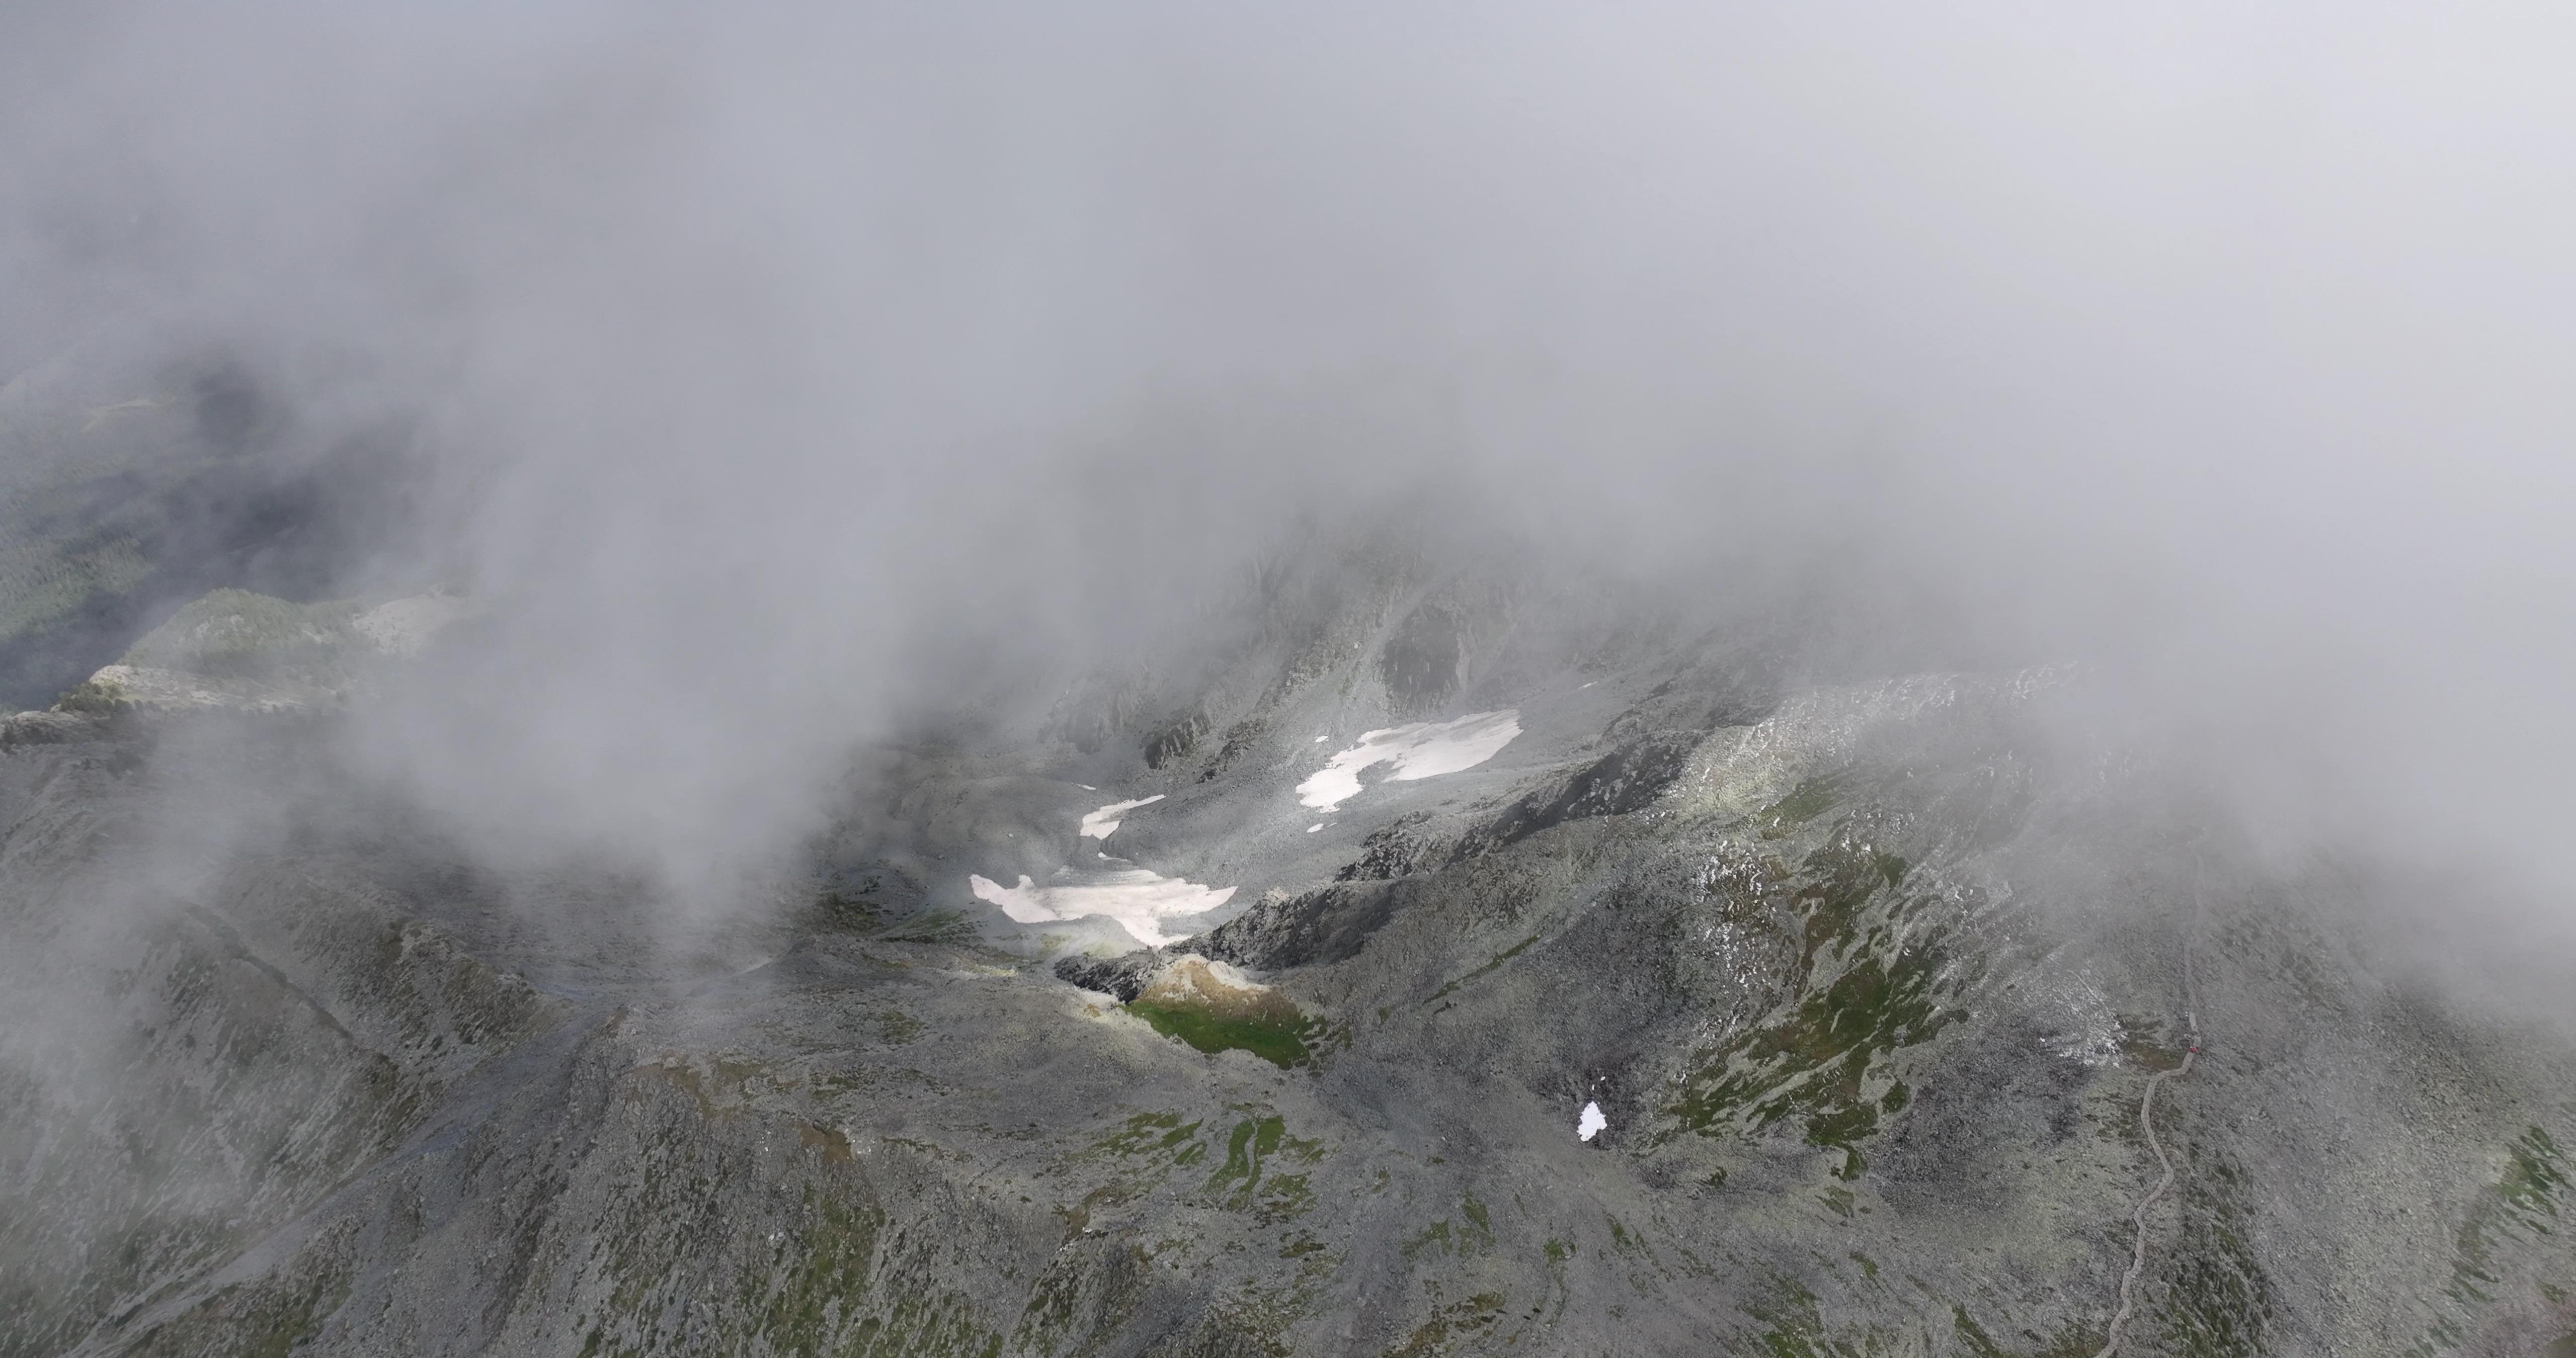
(780, 368)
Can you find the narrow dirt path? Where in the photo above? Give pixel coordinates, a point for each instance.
(2147, 1118)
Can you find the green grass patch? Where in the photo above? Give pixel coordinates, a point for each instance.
(2075, 1342)
(2502, 1223)
(1245, 1181)
(1821, 1060)
(1451, 1325)
(1281, 1041)
(236, 632)
(94, 699)
(1813, 798)
(951, 927)
(2219, 1303)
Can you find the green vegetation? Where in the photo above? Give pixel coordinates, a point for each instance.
(1812, 798)
(1160, 1141)
(1249, 1181)
(1279, 1040)
(2523, 1205)
(2535, 1178)
(1456, 1321)
(233, 632)
(1251, 1148)
(1797, 1327)
(820, 1274)
(2219, 1304)
(2074, 1343)
(1821, 1060)
(1149, 1133)
(950, 927)
(1055, 1311)
(2149, 1045)
(94, 698)
(1628, 1242)
(38, 586)
(923, 1326)
(1475, 1237)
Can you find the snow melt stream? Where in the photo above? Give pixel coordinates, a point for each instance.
(1422, 750)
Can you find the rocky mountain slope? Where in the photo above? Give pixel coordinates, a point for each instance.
(1865, 977)
(130, 485)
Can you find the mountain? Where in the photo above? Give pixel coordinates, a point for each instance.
(1418, 961)
(130, 486)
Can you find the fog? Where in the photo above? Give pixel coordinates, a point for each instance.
(779, 366)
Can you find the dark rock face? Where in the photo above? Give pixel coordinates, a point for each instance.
(1124, 976)
(1240, 740)
(1420, 662)
(1174, 740)
(1396, 849)
(1627, 779)
(1330, 924)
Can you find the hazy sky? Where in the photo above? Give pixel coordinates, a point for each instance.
(2225, 346)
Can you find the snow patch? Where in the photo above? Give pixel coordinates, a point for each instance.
(1103, 823)
(1138, 899)
(1314, 827)
(1591, 1124)
(1421, 750)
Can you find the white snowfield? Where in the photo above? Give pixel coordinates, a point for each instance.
(1139, 900)
(1103, 823)
(1591, 1124)
(1421, 750)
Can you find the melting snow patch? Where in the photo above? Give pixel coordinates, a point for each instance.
(1103, 823)
(1422, 750)
(1591, 1124)
(1137, 899)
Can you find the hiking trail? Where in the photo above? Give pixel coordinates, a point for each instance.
(2147, 1119)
